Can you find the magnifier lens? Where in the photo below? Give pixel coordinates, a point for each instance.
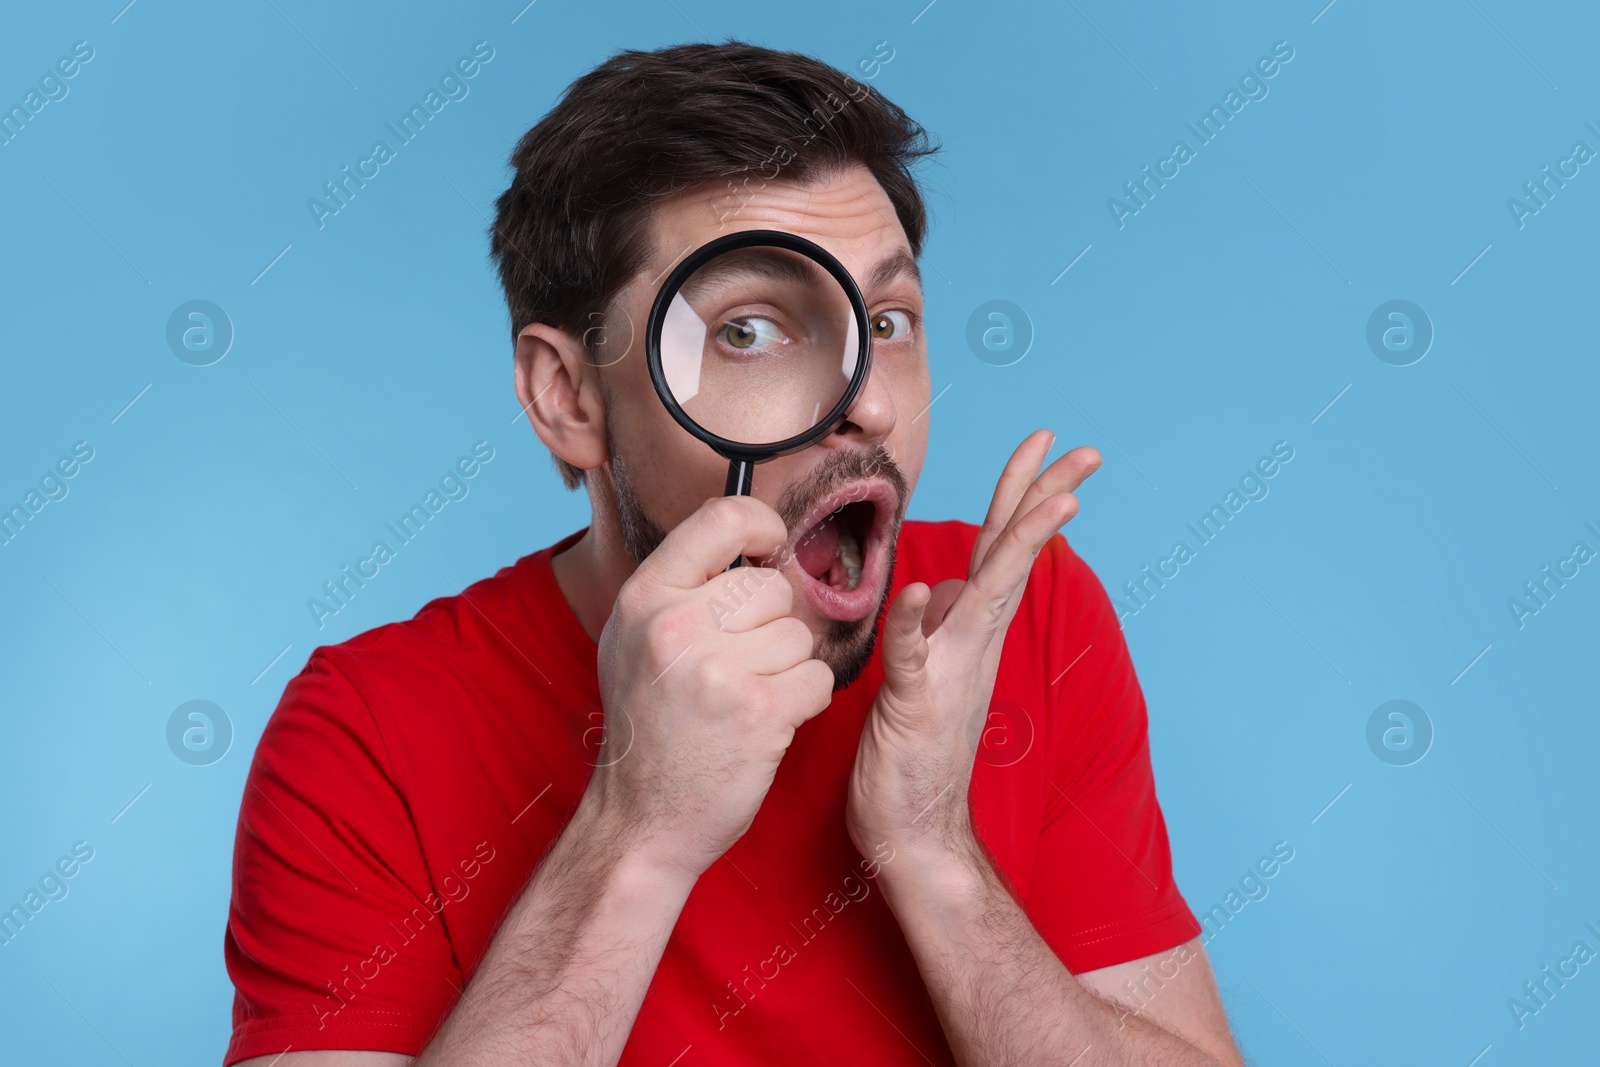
(759, 344)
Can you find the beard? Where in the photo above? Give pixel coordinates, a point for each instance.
(846, 647)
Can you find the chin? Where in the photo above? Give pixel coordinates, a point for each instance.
(848, 655)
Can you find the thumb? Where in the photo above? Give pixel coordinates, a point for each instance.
(905, 648)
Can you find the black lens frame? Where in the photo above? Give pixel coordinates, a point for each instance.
(740, 452)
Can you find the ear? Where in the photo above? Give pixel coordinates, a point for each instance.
(559, 390)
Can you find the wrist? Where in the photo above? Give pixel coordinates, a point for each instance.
(944, 871)
(636, 857)
(928, 835)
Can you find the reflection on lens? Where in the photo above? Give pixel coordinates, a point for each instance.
(758, 344)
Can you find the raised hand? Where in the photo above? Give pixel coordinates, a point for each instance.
(941, 651)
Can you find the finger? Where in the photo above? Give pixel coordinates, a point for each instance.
(748, 597)
(986, 603)
(806, 688)
(703, 545)
(1064, 475)
(944, 594)
(1020, 469)
(774, 648)
(905, 647)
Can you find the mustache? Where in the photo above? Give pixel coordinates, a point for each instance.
(641, 534)
(842, 466)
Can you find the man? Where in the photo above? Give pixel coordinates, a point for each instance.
(884, 797)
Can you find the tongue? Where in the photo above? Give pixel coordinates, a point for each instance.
(818, 547)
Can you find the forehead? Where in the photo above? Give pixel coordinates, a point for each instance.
(846, 212)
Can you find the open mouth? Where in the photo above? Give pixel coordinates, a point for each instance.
(839, 551)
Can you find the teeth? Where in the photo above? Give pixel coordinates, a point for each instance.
(850, 556)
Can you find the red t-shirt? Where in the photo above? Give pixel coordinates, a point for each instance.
(413, 776)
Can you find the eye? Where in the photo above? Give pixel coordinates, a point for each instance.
(890, 325)
(752, 332)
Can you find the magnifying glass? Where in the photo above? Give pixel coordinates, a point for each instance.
(757, 344)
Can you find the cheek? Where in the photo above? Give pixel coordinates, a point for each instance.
(672, 473)
(910, 385)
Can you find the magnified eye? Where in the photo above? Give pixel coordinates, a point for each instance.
(890, 325)
(750, 333)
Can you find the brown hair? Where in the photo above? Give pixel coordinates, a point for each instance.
(574, 226)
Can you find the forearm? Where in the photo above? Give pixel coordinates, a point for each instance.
(1002, 995)
(562, 981)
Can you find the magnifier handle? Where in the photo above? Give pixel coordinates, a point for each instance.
(738, 484)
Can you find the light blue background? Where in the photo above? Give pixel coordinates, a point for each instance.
(1224, 317)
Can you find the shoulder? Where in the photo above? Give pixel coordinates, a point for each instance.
(444, 630)
(362, 690)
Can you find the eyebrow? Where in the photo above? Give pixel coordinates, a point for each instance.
(758, 261)
(900, 264)
(765, 263)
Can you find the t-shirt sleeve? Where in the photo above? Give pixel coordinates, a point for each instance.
(1102, 890)
(335, 938)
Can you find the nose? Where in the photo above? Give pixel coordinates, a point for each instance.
(871, 415)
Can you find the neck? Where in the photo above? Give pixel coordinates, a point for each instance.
(591, 571)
